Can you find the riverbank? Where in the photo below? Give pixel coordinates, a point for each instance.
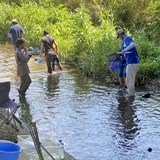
(153, 84)
(10, 134)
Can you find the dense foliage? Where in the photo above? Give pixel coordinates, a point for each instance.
(85, 30)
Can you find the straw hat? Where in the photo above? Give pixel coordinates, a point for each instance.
(14, 21)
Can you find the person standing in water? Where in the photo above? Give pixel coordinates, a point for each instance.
(22, 66)
(15, 32)
(129, 51)
(50, 55)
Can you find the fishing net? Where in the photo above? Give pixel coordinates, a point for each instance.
(115, 61)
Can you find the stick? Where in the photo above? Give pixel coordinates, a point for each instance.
(25, 40)
(36, 143)
(21, 124)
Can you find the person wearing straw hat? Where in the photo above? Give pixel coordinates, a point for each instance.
(15, 32)
(129, 51)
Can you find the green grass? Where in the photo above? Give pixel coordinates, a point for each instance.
(81, 42)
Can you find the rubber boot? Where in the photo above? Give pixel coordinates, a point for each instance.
(26, 88)
(53, 66)
(50, 70)
(21, 93)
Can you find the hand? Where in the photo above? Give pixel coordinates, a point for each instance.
(123, 52)
(25, 49)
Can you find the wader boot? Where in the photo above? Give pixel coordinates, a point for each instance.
(53, 66)
(26, 88)
(50, 70)
(21, 93)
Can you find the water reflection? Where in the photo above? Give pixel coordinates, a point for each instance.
(24, 112)
(52, 85)
(127, 116)
(92, 123)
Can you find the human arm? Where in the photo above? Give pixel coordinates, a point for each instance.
(41, 50)
(129, 44)
(22, 31)
(23, 34)
(132, 45)
(8, 34)
(22, 57)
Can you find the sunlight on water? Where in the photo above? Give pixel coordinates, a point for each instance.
(94, 121)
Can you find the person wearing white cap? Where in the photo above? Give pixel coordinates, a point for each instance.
(129, 51)
(15, 32)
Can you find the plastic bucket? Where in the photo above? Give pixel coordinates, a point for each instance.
(6, 141)
(36, 51)
(9, 151)
(40, 61)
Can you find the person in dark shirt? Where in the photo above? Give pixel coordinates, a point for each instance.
(15, 32)
(50, 55)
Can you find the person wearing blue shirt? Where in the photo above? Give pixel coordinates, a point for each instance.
(15, 32)
(129, 51)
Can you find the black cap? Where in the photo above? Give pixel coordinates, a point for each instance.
(46, 32)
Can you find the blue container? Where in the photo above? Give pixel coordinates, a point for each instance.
(11, 37)
(25, 53)
(40, 61)
(36, 51)
(9, 151)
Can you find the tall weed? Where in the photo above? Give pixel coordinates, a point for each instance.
(80, 43)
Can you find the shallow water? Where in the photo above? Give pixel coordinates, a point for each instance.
(94, 121)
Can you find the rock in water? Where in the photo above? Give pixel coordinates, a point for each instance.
(146, 95)
(149, 149)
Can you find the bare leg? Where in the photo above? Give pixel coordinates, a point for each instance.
(121, 81)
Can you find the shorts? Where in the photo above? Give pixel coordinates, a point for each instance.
(122, 71)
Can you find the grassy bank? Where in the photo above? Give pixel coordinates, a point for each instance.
(81, 42)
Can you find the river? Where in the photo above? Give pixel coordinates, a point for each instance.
(94, 121)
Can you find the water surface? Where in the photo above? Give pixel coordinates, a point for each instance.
(94, 121)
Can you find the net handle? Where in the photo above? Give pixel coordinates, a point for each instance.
(121, 52)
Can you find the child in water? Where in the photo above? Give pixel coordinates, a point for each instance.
(22, 66)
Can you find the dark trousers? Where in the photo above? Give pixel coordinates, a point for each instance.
(25, 82)
(50, 62)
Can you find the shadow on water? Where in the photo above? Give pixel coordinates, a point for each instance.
(127, 117)
(24, 111)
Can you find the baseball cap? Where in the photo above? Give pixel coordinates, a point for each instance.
(120, 31)
(46, 32)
